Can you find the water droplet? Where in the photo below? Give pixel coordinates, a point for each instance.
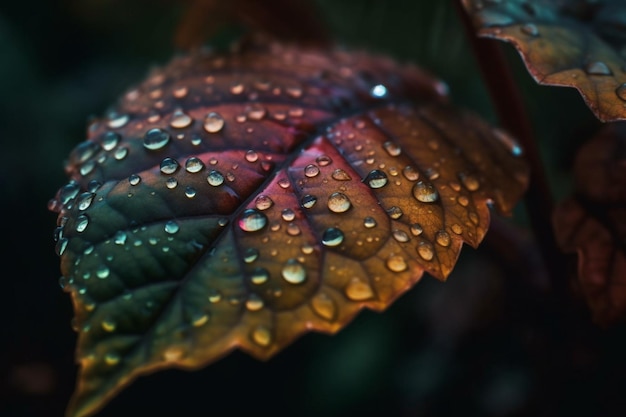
(120, 153)
(324, 306)
(396, 263)
(68, 191)
(341, 175)
(293, 229)
(111, 358)
(252, 156)
(155, 139)
(410, 173)
(193, 165)
(254, 303)
(120, 237)
(190, 192)
(255, 112)
(293, 271)
(61, 246)
(288, 215)
(358, 290)
(180, 119)
(284, 183)
(214, 296)
(108, 325)
(442, 238)
(332, 237)
(110, 140)
(323, 160)
(171, 227)
(85, 200)
(250, 255)
(469, 181)
(473, 217)
(376, 179)
(171, 183)
(425, 192)
(237, 88)
(263, 202)
(213, 122)
(199, 319)
(180, 92)
(169, 165)
(87, 167)
(425, 251)
(311, 170)
(369, 222)
(392, 149)
(173, 354)
(308, 201)
(400, 236)
(456, 228)
(378, 91)
(508, 141)
(597, 68)
(395, 212)
(215, 178)
(252, 220)
(294, 91)
(462, 200)
(82, 222)
(259, 276)
(530, 29)
(416, 229)
(262, 336)
(118, 120)
(339, 203)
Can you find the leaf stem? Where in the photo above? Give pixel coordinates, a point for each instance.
(511, 112)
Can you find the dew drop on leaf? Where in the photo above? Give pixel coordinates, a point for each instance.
(156, 139)
(169, 166)
(252, 220)
(425, 192)
(213, 122)
(293, 271)
(332, 237)
(358, 290)
(339, 203)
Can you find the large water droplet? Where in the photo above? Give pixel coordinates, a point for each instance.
(110, 140)
(82, 222)
(169, 165)
(252, 156)
(171, 227)
(332, 237)
(376, 179)
(215, 178)
(311, 170)
(68, 191)
(118, 120)
(442, 238)
(323, 160)
(400, 236)
(425, 251)
(193, 165)
(84, 200)
(339, 203)
(155, 139)
(288, 215)
(262, 336)
(308, 201)
(254, 303)
(324, 306)
(259, 276)
(425, 192)
(134, 179)
(410, 173)
(341, 175)
(395, 212)
(213, 122)
(416, 229)
(293, 271)
(180, 119)
(396, 263)
(597, 68)
(252, 220)
(263, 202)
(358, 290)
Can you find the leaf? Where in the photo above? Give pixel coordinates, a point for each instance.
(239, 201)
(572, 43)
(592, 223)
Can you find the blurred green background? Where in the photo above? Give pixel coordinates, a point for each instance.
(489, 342)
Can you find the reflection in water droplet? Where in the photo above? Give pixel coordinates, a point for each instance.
(215, 178)
(82, 222)
(339, 203)
(134, 179)
(392, 149)
(378, 91)
(442, 238)
(396, 263)
(262, 336)
(108, 325)
(120, 153)
(171, 183)
(252, 220)
(252, 156)
(308, 201)
(116, 121)
(425, 251)
(376, 179)
(293, 229)
(254, 303)
(469, 181)
(180, 120)
(323, 160)
(400, 236)
(171, 227)
(332, 237)
(259, 276)
(311, 170)
(425, 192)
(416, 229)
(199, 319)
(213, 122)
(288, 215)
(358, 290)
(103, 272)
(214, 296)
(263, 202)
(84, 200)
(250, 255)
(293, 271)
(410, 173)
(255, 112)
(530, 29)
(169, 165)
(324, 306)
(110, 140)
(369, 222)
(193, 165)
(395, 212)
(111, 358)
(155, 139)
(597, 68)
(341, 175)
(456, 228)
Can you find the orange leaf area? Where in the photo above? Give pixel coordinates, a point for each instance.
(570, 43)
(241, 200)
(593, 223)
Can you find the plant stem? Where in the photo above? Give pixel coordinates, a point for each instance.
(511, 112)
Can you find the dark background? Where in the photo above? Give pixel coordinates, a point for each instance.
(489, 342)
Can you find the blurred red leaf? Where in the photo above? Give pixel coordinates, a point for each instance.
(592, 223)
(241, 200)
(572, 43)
